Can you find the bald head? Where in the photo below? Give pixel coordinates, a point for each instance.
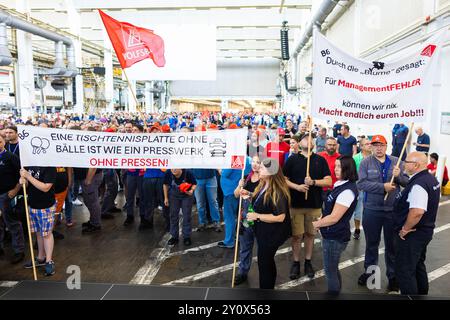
(415, 162)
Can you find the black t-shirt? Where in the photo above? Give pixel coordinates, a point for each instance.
(62, 180)
(249, 185)
(80, 173)
(174, 182)
(287, 135)
(275, 233)
(295, 170)
(36, 198)
(9, 171)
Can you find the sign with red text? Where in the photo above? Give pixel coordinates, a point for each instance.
(47, 147)
(352, 90)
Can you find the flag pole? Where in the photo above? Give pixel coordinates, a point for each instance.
(25, 198)
(308, 160)
(401, 155)
(237, 227)
(134, 96)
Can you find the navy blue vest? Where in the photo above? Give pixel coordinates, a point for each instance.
(401, 206)
(341, 230)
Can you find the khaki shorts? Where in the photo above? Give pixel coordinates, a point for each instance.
(302, 219)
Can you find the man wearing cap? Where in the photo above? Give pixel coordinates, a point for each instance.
(278, 148)
(304, 212)
(375, 174)
(415, 213)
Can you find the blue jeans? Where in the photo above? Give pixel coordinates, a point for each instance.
(206, 193)
(332, 250)
(246, 241)
(230, 208)
(357, 214)
(373, 221)
(12, 222)
(134, 185)
(410, 270)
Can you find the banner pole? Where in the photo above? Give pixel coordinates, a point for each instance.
(309, 152)
(25, 198)
(401, 155)
(237, 227)
(135, 98)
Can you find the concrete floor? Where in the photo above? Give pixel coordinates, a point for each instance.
(126, 255)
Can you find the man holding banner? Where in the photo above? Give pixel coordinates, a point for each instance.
(375, 174)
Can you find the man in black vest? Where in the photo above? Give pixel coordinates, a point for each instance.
(415, 212)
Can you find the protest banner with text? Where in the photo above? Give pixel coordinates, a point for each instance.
(348, 89)
(84, 149)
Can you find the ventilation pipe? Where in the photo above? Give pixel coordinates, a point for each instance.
(5, 55)
(26, 26)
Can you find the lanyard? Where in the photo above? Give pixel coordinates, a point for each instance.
(9, 148)
(1, 153)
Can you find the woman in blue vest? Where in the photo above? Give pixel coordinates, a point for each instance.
(334, 224)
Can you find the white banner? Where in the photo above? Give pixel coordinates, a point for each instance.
(84, 149)
(352, 90)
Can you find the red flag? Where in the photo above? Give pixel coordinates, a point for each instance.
(133, 44)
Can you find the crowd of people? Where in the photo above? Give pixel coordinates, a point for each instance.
(299, 181)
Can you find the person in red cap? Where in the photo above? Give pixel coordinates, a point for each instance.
(278, 148)
(375, 173)
(165, 128)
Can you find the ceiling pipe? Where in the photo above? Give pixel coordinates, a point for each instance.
(5, 55)
(26, 26)
(326, 7)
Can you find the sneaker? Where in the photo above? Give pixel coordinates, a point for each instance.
(362, 280)
(160, 208)
(49, 269)
(91, 229)
(145, 224)
(128, 221)
(221, 244)
(309, 271)
(295, 270)
(86, 224)
(393, 286)
(57, 235)
(201, 227)
(240, 278)
(69, 224)
(187, 242)
(107, 216)
(357, 234)
(18, 257)
(172, 241)
(37, 263)
(77, 202)
(217, 227)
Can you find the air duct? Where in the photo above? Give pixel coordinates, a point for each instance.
(26, 26)
(326, 7)
(5, 55)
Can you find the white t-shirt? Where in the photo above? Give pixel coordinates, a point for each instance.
(418, 198)
(346, 197)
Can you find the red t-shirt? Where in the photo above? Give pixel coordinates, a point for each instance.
(432, 167)
(331, 160)
(277, 151)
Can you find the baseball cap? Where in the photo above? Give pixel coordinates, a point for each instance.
(165, 128)
(281, 131)
(213, 126)
(233, 126)
(155, 127)
(378, 139)
(306, 135)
